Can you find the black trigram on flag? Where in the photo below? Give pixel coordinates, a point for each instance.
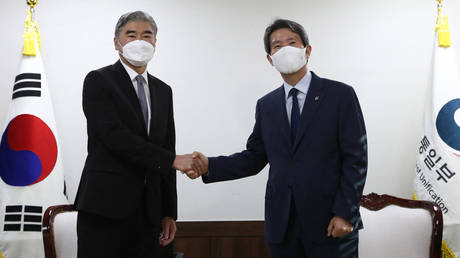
(27, 85)
(27, 220)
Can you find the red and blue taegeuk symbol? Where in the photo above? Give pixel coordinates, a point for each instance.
(447, 128)
(28, 151)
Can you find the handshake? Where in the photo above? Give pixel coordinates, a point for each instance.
(193, 165)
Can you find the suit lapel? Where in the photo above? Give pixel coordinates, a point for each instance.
(314, 96)
(126, 86)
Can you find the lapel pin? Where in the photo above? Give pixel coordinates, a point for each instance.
(317, 98)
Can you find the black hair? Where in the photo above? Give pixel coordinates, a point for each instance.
(280, 24)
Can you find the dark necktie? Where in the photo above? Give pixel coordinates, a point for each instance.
(142, 100)
(295, 113)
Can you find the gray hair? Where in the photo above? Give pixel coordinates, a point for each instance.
(135, 16)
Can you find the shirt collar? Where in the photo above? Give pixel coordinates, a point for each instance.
(301, 86)
(132, 74)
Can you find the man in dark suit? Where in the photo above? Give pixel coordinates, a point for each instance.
(127, 192)
(311, 131)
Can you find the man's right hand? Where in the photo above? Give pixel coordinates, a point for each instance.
(191, 164)
(203, 162)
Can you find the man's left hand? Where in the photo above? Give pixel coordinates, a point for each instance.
(339, 227)
(169, 231)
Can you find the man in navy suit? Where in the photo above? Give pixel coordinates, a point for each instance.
(311, 131)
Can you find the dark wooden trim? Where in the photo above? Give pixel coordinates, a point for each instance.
(376, 202)
(48, 227)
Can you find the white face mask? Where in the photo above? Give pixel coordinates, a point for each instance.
(289, 59)
(138, 52)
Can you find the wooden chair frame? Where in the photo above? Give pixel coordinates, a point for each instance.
(376, 202)
(48, 227)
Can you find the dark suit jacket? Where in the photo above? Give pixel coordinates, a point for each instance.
(323, 171)
(126, 167)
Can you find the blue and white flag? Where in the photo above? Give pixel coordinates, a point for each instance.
(438, 163)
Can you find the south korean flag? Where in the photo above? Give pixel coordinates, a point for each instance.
(31, 174)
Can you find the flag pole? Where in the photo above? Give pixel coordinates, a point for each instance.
(32, 4)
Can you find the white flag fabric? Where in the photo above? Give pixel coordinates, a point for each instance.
(438, 163)
(30, 163)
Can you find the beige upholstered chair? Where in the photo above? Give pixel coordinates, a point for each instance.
(399, 228)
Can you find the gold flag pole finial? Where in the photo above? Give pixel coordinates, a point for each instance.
(32, 32)
(33, 3)
(439, 5)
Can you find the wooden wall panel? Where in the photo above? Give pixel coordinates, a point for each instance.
(193, 247)
(221, 239)
(231, 247)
